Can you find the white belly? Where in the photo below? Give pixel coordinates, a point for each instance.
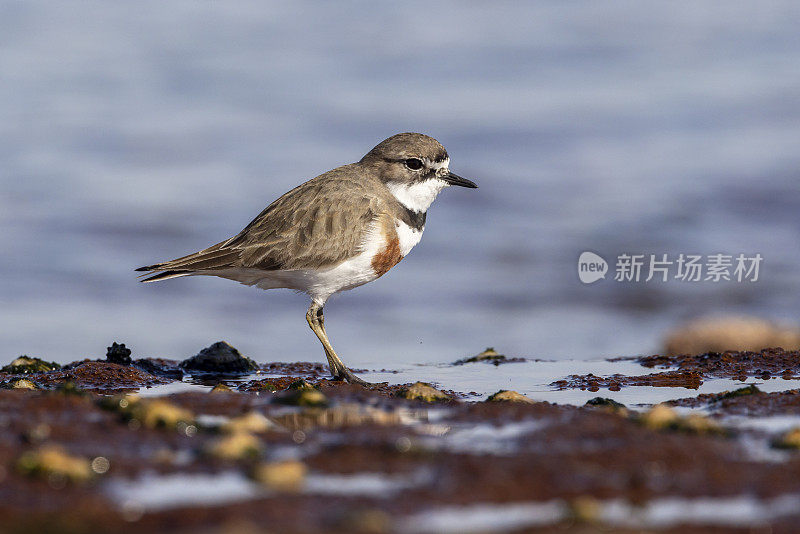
(322, 283)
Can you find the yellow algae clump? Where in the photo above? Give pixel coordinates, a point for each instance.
(700, 424)
(510, 396)
(250, 422)
(659, 416)
(160, 413)
(286, 476)
(789, 440)
(238, 446)
(23, 383)
(54, 463)
(424, 392)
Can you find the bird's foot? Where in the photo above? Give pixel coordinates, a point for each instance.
(345, 374)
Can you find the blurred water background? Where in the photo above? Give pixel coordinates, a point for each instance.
(138, 132)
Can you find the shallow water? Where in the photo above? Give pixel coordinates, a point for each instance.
(135, 135)
(531, 378)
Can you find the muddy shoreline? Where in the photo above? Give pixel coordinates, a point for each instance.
(152, 445)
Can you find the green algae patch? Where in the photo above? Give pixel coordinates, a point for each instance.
(27, 365)
(302, 397)
(301, 384)
(609, 405)
(741, 392)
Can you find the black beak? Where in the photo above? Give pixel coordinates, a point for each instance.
(454, 179)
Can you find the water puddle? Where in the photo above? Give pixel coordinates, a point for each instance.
(741, 511)
(485, 438)
(153, 492)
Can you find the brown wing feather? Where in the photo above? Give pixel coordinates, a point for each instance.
(317, 224)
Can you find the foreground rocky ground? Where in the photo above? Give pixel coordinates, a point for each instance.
(280, 448)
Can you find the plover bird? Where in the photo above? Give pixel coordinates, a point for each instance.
(337, 231)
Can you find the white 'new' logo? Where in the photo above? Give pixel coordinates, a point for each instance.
(591, 267)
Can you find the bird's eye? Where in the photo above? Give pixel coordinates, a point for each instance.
(414, 164)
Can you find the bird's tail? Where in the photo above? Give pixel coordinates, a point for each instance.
(213, 258)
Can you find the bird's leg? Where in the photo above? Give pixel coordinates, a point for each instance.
(339, 370)
(312, 317)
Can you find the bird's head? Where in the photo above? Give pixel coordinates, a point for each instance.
(415, 168)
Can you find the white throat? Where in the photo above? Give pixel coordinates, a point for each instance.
(417, 196)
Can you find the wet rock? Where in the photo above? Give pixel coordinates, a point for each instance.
(221, 388)
(789, 440)
(118, 353)
(489, 356)
(251, 422)
(236, 446)
(26, 365)
(730, 334)
(219, 358)
(302, 397)
(159, 367)
(509, 396)
(287, 476)
(607, 404)
(756, 404)
(53, 463)
(22, 383)
(686, 379)
(98, 376)
(424, 392)
(764, 364)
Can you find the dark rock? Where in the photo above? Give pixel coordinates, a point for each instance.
(301, 384)
(118, 353)
(159, 368)
(489, 356)
(750, 389)
(219, 358)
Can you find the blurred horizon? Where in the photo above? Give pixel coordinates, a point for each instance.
(132, 134)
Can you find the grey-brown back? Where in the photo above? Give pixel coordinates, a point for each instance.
(315, 225)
